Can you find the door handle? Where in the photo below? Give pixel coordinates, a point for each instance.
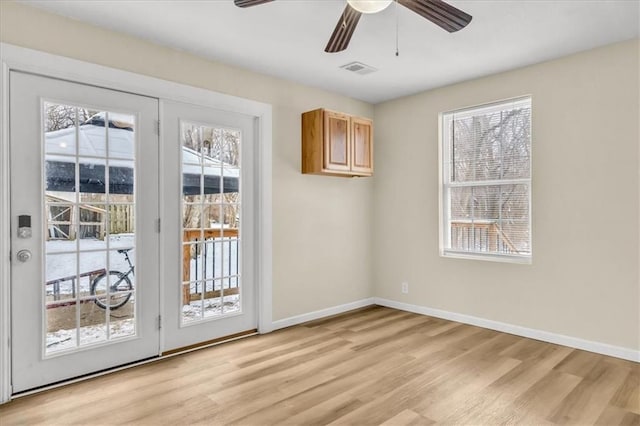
(23, 256)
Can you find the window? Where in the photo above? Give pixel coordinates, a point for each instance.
(486, 182)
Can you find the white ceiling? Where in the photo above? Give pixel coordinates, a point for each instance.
(286, 38)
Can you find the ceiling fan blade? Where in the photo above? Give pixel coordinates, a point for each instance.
(249, 3)
(440, 13)
(344, 30)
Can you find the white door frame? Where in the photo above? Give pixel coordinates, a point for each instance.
(33, 61)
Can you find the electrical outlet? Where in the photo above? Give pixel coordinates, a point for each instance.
(405, 287)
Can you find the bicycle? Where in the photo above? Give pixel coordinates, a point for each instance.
(119, 290)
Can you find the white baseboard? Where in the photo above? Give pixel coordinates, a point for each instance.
(334, 310)
(545, 336)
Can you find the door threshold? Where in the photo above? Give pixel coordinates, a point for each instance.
(208, 343)
(165, 355)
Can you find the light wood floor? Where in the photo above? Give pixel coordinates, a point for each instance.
(373, 366)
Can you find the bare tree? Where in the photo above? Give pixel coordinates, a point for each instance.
(215, 144)
(60, 117)
(486, 149)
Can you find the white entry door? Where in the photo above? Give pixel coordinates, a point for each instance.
(209, 224)
(84, 243)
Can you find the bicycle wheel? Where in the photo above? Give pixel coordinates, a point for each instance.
(119, 286)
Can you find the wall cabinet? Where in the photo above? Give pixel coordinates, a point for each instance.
(336, 144)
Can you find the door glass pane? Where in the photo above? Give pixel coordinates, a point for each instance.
(92, 135)
(90, 226)
(213, 299)
(91, 264)
(121, 146)
(61, 225)
(121, 179)
(64, 286)
(93, 322)
(211, 220)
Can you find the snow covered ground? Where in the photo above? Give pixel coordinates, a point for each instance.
(220, 260)
(210, 262)
(62, 261)
(66, 339)
(209, 308)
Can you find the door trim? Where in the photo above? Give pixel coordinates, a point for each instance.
(5, 241)
(37, 62)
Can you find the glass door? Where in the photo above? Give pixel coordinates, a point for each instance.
(84, 194)
(209, 171)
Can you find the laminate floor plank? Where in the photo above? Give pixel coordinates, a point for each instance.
(347, 319)
(627, 396)
(494, 404)
(578, 363)
(457, 394)
(349, 378)
(617, 416)
(371, 366)
(584, 405)
(408, 418)
(545, 395)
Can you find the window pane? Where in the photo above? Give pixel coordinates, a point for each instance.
(93, 323)
(121, 136)
(92, 135)
(488, 144)
(231, 150)
(61, 226)
(515, 202)
(514, 237)
(461, 203)
(60, 129)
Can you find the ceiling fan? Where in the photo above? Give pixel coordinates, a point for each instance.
(437, 11)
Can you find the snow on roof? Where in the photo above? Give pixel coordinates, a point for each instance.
(91, 142)
(60, 146)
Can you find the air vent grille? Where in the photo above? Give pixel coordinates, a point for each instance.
(359, 68)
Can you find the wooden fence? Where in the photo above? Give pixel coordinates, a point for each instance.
(121, 218)
(63, 223)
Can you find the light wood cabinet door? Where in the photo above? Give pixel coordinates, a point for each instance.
(361, 146)
(337, 155)
(336, 144)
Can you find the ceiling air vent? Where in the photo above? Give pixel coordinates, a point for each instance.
(359, 68)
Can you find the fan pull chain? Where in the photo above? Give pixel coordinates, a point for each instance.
(397, 30)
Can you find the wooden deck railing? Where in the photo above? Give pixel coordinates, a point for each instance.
(480, 235)
(53, 289)
(193, 235)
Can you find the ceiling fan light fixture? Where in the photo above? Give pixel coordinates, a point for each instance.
(369, 6)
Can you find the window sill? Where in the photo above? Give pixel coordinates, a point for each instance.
(502, 258)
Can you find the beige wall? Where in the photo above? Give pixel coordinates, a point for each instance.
(584, 278)
(328, 245)
(321, 225)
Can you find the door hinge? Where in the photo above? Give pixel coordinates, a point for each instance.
(158, 225)
(159, 322)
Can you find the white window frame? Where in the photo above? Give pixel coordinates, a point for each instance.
(444, 153)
